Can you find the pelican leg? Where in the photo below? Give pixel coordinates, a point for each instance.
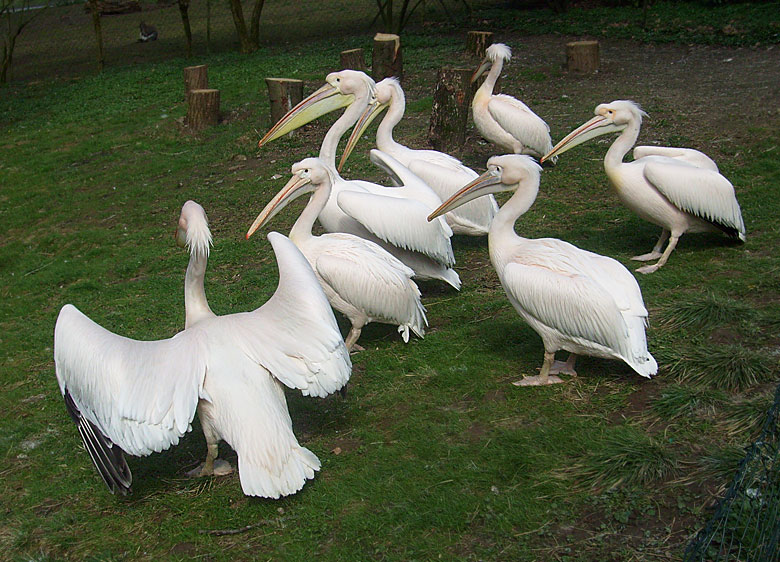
(566, 368)
(657, 265)
(543, 378)
(656, 252)
(212, 466)
(352, 337)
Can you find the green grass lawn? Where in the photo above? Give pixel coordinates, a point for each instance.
(433, 454)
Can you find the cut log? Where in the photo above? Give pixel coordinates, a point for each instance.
(582, 56)
(203, 109)
(283, 95)
(387, 59)
(195, 78)
(477, 42)
(353, 59)
(450, 111)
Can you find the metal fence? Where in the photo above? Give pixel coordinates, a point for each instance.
(61, 41)
(746, 523)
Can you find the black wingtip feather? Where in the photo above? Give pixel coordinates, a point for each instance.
(108, 458)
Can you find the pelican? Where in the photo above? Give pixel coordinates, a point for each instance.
(502, 119)
(393, 217)
(679, 189)
(443, 173)
(139, 397)
(360, 279)
(575, 300)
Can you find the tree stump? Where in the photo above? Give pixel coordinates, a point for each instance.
(353, 59)
(477, 42)
(203, 109)
(283, 95)
(195, 78)
(450, 111)
(387, 59)
(582, 56)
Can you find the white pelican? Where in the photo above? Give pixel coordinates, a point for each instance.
(140, 397)
(679, 189)
(502, 119)
(360, 279)
(443, 173)
(393, 217)
(575, 300)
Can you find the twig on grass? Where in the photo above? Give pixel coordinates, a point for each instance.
(223, 532)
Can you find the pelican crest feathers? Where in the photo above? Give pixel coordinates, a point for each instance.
(198, 234)
(498, 51)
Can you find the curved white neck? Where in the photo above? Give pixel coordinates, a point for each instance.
(301, 230)
(196, 307)
(384, 133)
(492, 76)
(350, 116)
(618, 150)
(503, 225)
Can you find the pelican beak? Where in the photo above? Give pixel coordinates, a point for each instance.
(483, 68)
(293, 189)
(323, 101)
(371, 112)
(487, 183)
(593, 128)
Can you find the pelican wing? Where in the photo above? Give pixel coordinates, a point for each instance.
(257, 425)
(571, 303)
(520, 122)
(410, 185)
(141, 395)
(401, 222)
(701, 192)
(294, 335)
(372, 280)
(688, 155)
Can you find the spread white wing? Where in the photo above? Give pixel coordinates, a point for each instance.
(142, 395)
(294, 334)
(254, 420)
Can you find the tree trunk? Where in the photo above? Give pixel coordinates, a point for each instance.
(582, 56)
(387, 59)
(98, 33)
(238, 20)
(254, 24)
(477, 42)
(203, 110)
(208, 26)
(283, 94)
(195, 78)
(450, 111)
(184, 7)
(353, 59)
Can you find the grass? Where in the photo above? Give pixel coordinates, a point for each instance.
(724, 367)
(628, 455)
(433, 452)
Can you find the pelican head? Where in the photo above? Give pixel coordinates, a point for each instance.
(496, 52)
(340, 90)
(192, 230)
(610, 118)
(382, 95)
(505, 173)
(307, 175)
